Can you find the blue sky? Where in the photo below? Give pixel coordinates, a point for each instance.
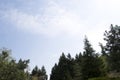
(40, 30)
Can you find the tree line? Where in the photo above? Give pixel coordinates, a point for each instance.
(10, 69)
(89, 64)
(85, 65)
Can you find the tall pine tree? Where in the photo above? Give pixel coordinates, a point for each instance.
(112, 47)
(90, 63)
(64, 69)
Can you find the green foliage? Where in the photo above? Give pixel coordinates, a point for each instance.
(112, 47)
(90, 66)
(87, 65)
(77, 72)
(22, 64)
(104, 78)
(64, 69)
(10, 69)
(39, 74)
(78, 69)
(54, 73)
(84, 66)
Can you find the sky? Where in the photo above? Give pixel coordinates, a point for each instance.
(40, 30)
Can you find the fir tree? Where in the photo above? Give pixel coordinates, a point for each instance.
(112, 47)
(90, 63)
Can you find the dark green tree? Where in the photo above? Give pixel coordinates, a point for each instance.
(64, 69)
(35, 71)
(90, 63)
(54, 73)
(77, 67)
(43, 73)
(39, 74)
(70, 65)
(112, 47)
(104, 60)
(9, 68)
(22, 64)
(77, 72)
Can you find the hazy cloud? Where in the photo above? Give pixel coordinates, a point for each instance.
(54, 20)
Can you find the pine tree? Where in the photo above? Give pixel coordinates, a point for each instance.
(77, 67)
(22, 64)
(104, 61)
(64, 69)
(35, 71)
(90, 63)
(10, 69)
(70, 65)
(39, 74)
(112, 47)
(43, 74)
(77, 72)
(54, 73)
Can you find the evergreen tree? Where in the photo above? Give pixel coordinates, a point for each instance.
(54, 73)
(70, 65)
(77, 67)
(64, 69)
(104, 61)
(112, 47)
(22, 64)
(43, 75)
(77, 72)
(9, 68)
(43, 71)
(90, 63)
(39, 74)
(35, 71)
(78, 58)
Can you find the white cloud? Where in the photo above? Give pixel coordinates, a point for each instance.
(55, 19)
(108, 4)
(52, 22)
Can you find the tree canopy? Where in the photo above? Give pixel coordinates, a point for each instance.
(89, 64)
(10, 69)
(86, 65)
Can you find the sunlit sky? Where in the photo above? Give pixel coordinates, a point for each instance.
(40, 30)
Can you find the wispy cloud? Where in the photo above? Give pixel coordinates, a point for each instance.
(54, 20)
